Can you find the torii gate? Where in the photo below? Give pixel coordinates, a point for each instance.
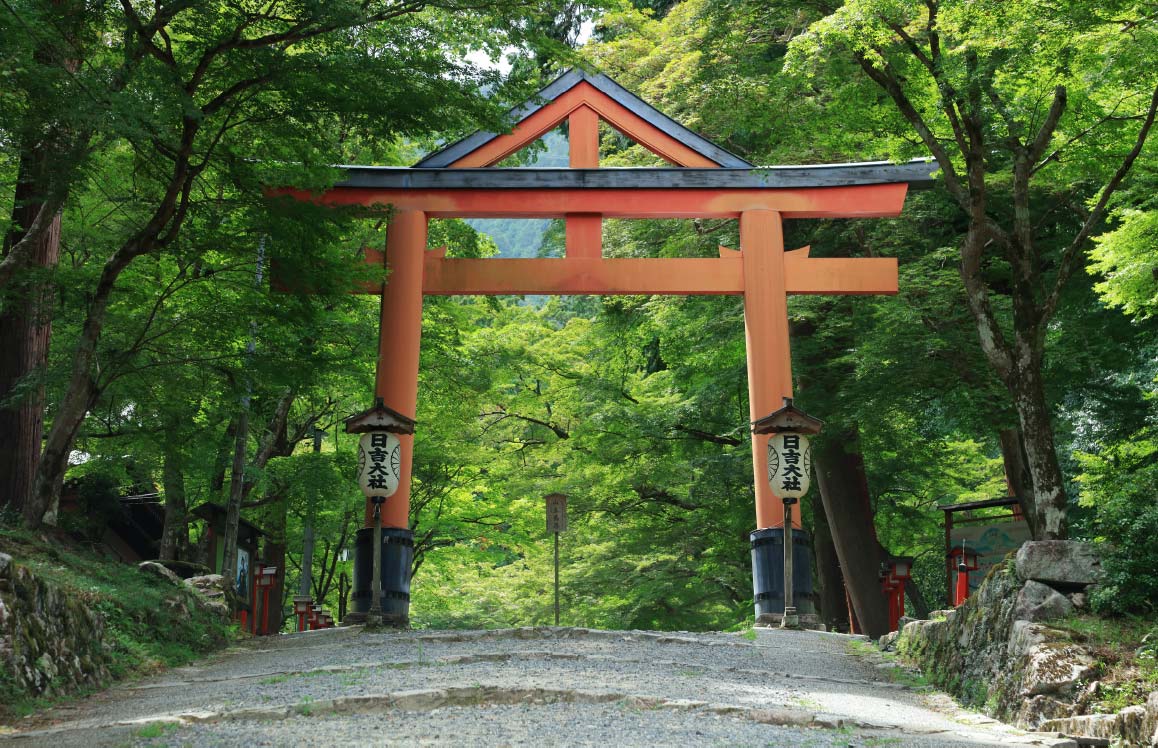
(460, 181)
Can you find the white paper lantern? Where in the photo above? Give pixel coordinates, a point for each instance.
(379, 463)
(789, 465)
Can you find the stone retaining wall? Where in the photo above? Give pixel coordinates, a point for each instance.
(51, 642)
(996, 652)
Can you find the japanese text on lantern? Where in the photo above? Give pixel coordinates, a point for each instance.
(789, 465)
(790, 476)
(379, 463)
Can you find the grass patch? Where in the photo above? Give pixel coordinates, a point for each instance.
(803, 702)
(1126, 649)
(859, 647)
(156, 730)
(897, 673)
(750, 635)
(907, 677)
(144, 632)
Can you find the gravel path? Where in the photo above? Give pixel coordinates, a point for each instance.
(527, 687)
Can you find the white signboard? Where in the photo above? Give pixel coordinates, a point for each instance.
(789, 465)
(379, 463)
(556, 513)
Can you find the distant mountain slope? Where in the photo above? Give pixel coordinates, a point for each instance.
(522, 237)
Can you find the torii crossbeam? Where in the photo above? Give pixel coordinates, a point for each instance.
(460, 181)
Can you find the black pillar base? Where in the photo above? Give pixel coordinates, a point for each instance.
(397, 555)
(768, 575)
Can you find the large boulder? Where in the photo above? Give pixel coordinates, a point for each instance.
(210, 586)
(157, 570)
(211, 594)
(1040, 602)
(1062, 564)
(1056, 668)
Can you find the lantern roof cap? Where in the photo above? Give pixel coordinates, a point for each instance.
(788, 418)
(379, 418)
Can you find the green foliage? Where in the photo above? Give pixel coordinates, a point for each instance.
(1120, 484)
(1125, 258)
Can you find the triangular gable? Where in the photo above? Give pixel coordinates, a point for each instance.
(574, 91)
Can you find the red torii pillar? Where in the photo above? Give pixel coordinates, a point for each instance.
(768, 351)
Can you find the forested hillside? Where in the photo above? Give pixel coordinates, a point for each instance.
(146, 350)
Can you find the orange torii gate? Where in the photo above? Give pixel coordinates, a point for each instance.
(460, 181)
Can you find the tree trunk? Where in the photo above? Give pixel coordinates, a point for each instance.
(1049, 497)
(238, 487)
(236, 493)
(1017, 477)
(305, 587)
(1018, 365)
(175, 535)
(221, 461)
(917, 598)
(49, 154)
(833, 610)
(275, 520)
(84, 387)
(25, 330)
(843, 490)
(275, 547)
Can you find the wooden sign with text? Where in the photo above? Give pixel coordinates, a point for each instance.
(556, 512)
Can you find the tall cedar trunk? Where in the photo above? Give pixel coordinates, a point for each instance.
(221, 460)
(26, 314)
(833, 611)
(25, 330)
(275, 548)
(843, 490)
(305, 585)
(175, 535)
